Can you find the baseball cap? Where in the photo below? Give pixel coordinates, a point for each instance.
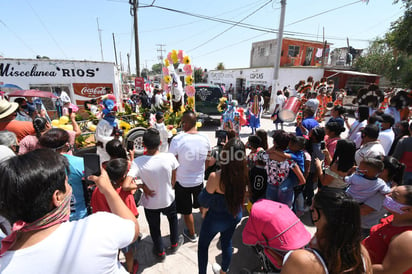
(387, 118)
(274, 225)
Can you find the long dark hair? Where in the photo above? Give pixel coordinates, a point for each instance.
(363, 112)
(340, 238)
(344, 154)
(264, 137)
(39, 125)
(395, 169)
(27, 184)
(234, 174)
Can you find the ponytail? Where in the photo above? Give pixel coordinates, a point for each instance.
(39, 125)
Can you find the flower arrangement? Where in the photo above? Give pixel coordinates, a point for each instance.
(175, 58)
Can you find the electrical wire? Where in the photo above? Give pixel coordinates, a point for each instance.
(219, 34)
(19, 38)
(326, 11)
(46, 29)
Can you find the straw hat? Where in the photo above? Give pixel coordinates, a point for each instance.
(7, 108)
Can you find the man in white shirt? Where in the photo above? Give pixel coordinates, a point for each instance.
(192, 150)
(158, 172)
(386, 135)
(371, 147)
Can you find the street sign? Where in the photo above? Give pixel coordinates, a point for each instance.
(139, 83)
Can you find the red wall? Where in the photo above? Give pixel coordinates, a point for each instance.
(286, 60)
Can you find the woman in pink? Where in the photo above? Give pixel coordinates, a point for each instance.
(31, 142)
(41, 125)
(332, 131)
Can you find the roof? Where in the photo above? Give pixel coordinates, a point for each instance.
(350, 72)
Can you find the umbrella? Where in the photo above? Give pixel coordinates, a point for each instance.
(31, 93)
(10, 86)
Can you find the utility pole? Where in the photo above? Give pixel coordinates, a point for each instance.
(100, 37)
(128, 64)
(115, 52)
(277, 56)
(133, 12)
(160, 50)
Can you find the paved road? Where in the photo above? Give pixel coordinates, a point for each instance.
(185, 260)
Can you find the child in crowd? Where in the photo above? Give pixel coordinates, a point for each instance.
(258, 177)
(364, 183)
(296, 154)
(158, 174)
(164, 135)
(117, 170)
(254, 143)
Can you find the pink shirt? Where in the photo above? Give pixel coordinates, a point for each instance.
(331, 144)
(30, 143)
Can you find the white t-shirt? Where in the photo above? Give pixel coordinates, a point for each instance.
(280, 100)
(191, 151)
(89, 245)
(369, 150)
(386, 138)
(164, 136)
(156, 172)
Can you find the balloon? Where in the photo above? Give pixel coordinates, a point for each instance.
(63, 120)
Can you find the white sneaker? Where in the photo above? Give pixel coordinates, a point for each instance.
(216, 268)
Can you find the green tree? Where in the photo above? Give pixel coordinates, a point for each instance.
(198, 73)
(379, 59)
(400, 36)
(157, 68)
(220, 66)
(145, 73)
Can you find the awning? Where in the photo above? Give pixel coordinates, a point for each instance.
(350, 72)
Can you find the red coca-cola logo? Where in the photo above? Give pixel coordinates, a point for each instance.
(86, 91)
(92, 90)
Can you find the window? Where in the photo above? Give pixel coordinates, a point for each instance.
(293, 51)
(262, 52)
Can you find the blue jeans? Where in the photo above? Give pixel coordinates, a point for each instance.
(213, 223)
(283, 194)
(153, 219)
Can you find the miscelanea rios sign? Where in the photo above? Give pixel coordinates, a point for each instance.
(8, 70)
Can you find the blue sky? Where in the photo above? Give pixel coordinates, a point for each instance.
(68, 29)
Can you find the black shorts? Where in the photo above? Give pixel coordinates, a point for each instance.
(186, 198)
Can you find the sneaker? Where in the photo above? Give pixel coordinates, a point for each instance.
(176, 246)
(192, 238)
(216, 268)
(159, 255)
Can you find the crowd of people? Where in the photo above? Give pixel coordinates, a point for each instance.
(357, 190)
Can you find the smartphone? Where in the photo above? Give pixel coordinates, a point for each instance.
(38, 107)
(130, 145)
(322, 145)
(70, 111)
(91, 165)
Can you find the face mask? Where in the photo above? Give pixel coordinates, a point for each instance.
(359, 172)
(379, 124)
(392, 205)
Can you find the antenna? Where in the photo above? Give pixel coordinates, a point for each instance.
(100, 37)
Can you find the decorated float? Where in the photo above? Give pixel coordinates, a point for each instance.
(133, 121)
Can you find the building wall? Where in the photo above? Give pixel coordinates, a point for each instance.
(263, 53)
(82, 80)
(248, 77)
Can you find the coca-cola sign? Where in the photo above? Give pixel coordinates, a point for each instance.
(92, 90)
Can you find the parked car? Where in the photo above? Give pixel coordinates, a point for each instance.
(207, 98)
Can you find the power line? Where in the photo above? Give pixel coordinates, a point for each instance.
(326, 11)
(18, 37)
(244, 18)
(46, 29)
